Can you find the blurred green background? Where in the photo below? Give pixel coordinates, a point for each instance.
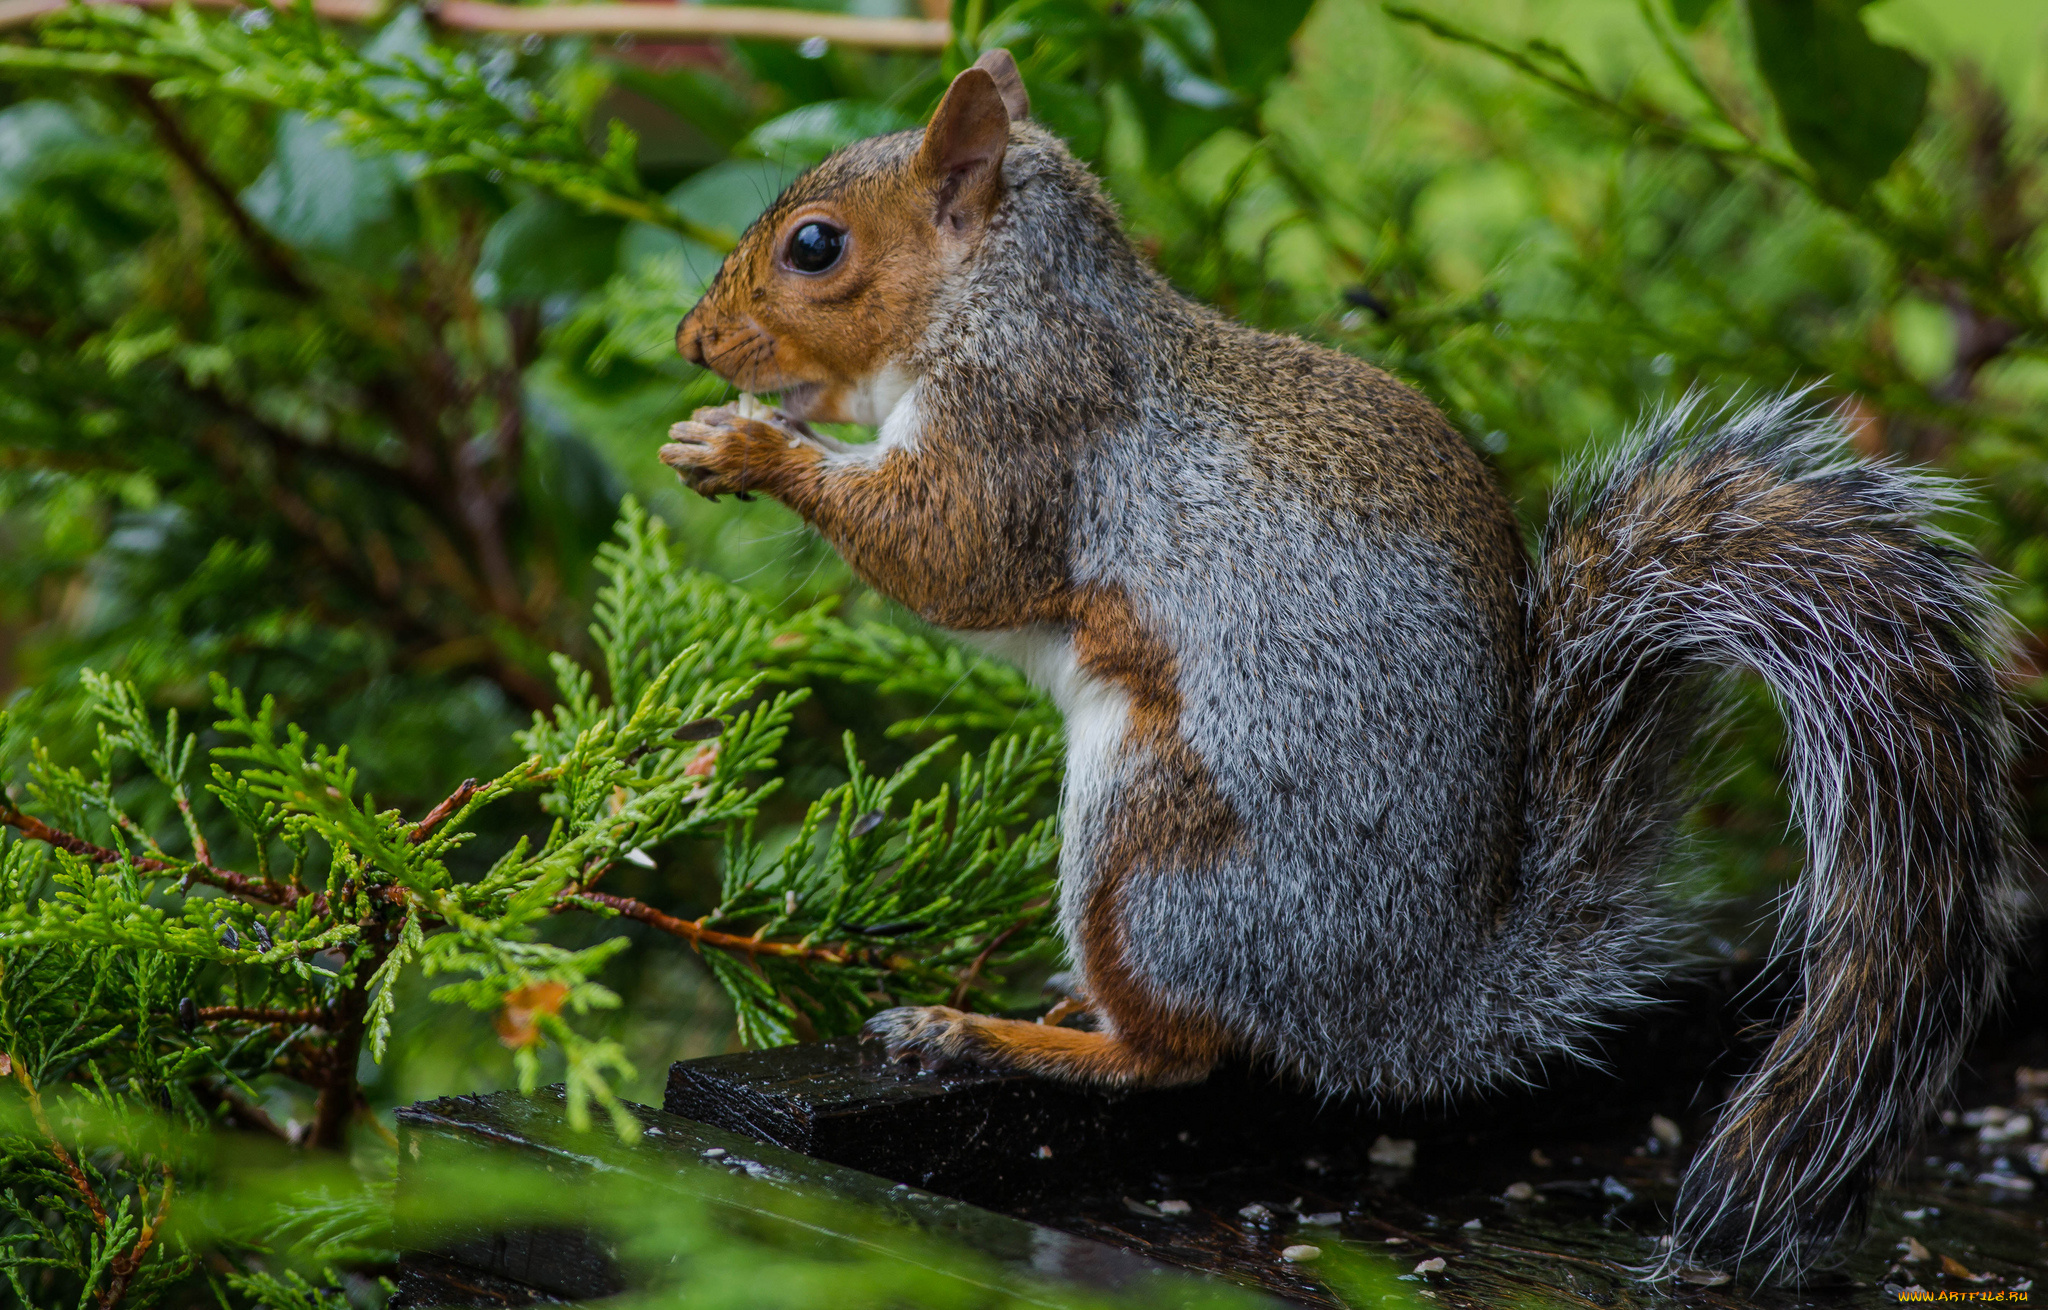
(330, 375)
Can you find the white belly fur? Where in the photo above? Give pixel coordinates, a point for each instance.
(1097, 715)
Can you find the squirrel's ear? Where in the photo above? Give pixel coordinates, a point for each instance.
(998, 65)
(963, 148)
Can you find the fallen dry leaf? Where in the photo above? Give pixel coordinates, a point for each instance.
(517, 1023)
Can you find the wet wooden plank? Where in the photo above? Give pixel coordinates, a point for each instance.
(735, 1172)
(1552, 1196)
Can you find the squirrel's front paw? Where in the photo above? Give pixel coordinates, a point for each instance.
(719, 450)
(934, 1038)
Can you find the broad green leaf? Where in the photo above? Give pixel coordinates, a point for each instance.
(544, 246)
(804, 136)
(1689, 14)
(38, 138)
(1850, 106)
(321, 196)
(726, 197)
(1252, 38)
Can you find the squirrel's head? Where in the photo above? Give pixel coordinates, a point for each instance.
(837, 280)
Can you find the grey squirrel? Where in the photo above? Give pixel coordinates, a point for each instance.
(1353, 783)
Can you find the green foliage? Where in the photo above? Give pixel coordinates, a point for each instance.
(398, 96)
(146, 969)
(1850, 105)
(326, 356)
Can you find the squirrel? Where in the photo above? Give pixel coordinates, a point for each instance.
(1354, 781)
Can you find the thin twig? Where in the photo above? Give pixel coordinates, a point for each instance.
(436, 816)
(260, 1014)
(973, 974)
(124, 1266)
(276, 260)
(1605, 1266)
(78, 1178)
(652, 20)
(697, 934)
(245, 1113)
(241, 884)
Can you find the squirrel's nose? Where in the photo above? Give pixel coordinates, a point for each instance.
(690, 342)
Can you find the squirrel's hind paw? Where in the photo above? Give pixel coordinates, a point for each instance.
(933, 1038)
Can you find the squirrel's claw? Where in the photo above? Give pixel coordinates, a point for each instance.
(722, 451)
(933, 1038)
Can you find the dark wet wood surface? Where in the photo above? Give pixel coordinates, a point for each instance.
(452, 1260)
(1550, 1197)
(1553, 1196)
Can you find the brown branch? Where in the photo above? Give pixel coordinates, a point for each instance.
(78, 1178)
(259, 1014)
(241, 884)
(124, 1266)
(973, 974)
(671, 21)
(334, 1106)
(336, 563)
(698, 935)
(171, 133)
(35, 828)
(695, 933)
(287, 445)
(436, 816)
(244, 1113)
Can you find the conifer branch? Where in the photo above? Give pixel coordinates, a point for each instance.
(695, 933)
(199, 870)
(77, 1175)
(315, 1016)
(436, 816)
(995, 943)
(126, 1264)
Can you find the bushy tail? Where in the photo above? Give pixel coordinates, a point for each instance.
(1756, 541)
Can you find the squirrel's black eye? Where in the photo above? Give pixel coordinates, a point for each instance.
(815, 247)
